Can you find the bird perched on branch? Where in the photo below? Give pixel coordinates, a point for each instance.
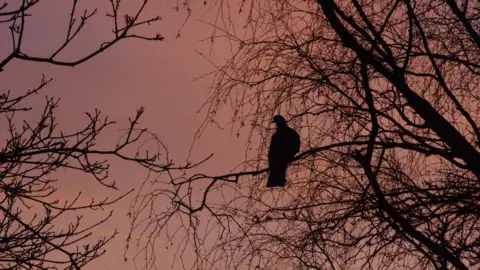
(285, 143)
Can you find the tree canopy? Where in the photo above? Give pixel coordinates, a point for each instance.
(385, 97)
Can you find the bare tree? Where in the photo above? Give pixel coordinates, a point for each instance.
(386, 96)
(33, 232)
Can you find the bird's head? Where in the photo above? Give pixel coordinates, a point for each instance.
(280, 121)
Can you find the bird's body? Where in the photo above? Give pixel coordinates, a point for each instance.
(285, 143)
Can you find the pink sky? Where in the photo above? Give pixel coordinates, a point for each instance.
(133, 73)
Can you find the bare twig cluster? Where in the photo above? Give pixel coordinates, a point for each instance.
(38, 230)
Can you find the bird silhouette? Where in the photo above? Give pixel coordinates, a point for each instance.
(285, 143)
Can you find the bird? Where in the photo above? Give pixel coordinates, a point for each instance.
(284, 144)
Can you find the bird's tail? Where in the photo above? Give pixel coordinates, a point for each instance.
(277, 176)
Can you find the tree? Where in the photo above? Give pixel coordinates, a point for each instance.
(31, 213)
(386, 96)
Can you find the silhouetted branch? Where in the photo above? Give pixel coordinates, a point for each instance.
(75, 26)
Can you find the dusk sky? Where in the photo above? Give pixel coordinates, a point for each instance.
(344, 134)
(158, 75)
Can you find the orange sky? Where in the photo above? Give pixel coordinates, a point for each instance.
(133, 73)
